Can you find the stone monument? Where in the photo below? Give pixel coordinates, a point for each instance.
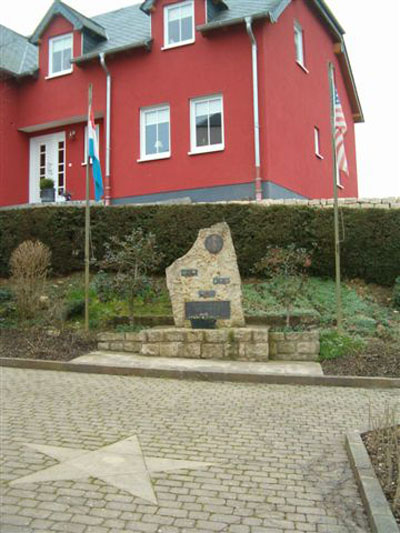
(205, 283)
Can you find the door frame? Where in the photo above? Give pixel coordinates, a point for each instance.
(34, 142)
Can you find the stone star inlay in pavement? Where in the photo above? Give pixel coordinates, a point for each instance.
(121, 464)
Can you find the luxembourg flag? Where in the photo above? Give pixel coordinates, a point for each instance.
(94, 154)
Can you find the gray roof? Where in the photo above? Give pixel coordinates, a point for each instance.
(126, 28)
(18, 56)
(237, 9)
(78, 21)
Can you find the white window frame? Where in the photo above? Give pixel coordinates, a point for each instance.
(210, 147)
(85, 147)
(161, 155)
(166, 28)
(53, 40)
(317, 143)
(299, 45)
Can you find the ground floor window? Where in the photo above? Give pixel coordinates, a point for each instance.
(206, 124)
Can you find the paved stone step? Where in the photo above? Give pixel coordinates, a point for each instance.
(119, 359)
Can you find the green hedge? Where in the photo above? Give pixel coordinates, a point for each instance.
(371, 249)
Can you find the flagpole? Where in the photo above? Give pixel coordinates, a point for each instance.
(339, 314)
(87, 219)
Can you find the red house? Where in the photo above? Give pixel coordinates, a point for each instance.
(202, 99)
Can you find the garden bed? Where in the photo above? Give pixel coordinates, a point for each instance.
(45, 344)
(383, 446)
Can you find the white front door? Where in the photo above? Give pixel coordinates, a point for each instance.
(47, 160)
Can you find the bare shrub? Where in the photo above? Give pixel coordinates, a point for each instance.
(29, 265)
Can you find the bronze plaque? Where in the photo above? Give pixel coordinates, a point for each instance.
(221, 281)
(214, 243)
(207, 294)
(207, 310)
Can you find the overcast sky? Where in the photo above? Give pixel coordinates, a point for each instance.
(373, 42)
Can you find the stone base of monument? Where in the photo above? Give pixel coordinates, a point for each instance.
(239, 344)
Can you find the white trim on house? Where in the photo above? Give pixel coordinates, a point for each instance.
(69, 39)
(299, 45)
(209, 147)
(145, 112)
(317, 143)
(175, 7)
(52, 164)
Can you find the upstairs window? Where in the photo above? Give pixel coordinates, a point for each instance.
(154, 133)
(299, 44)
(179, 24)
(60, 55)
(206, 124)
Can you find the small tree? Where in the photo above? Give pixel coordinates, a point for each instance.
(130, 259)
(287, 268)
(29, 265)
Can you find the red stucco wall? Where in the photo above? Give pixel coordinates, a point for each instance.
(291, 103)
(297, 101)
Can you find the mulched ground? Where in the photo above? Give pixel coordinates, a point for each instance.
(50, 345)
(384, 448)
(378, 359)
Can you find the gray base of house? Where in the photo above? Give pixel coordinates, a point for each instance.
(241, 191)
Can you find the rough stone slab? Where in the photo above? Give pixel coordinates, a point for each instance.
(236, 367)
(207, 274)
(378, 510)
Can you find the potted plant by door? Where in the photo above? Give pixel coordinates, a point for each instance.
(47, 191)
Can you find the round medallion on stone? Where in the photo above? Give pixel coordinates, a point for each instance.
(214, 243)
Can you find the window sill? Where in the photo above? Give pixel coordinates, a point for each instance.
(208, 150)
(339, 186)
(303, 67)
(319, 156)
(153, 158)
(59, 74)
(177, 45)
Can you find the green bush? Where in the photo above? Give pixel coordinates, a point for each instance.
(334, 344)
(370, 251)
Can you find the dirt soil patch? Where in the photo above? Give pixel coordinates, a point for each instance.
(45, 344)
(378, 359)
(383, 446)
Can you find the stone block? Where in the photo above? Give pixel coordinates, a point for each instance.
(286, 347)
(111, 336)
(273, 349)
(241, 334)
(103, 345)
(216, 335)
(308, 347)
(212, 351)
(231, 350)
(150, 349)
(171, 349)
(117, 346)
(133, 347)
(257, 350)
(171, 335)
(242, 350)
(138, 336)
(194, 335)
(154, 335)
(276, 336)
(261, 335)
(192, 350)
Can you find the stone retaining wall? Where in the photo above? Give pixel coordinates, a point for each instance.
(294, 346)
(242, 344)
(360, 203)
(245, 344)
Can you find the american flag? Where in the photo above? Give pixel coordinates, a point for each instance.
(340, 130)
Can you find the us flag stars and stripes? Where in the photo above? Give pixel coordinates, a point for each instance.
(340, 130)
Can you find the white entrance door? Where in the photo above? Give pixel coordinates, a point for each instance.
(47, 160)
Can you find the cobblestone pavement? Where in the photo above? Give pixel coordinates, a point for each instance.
(279, 462)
